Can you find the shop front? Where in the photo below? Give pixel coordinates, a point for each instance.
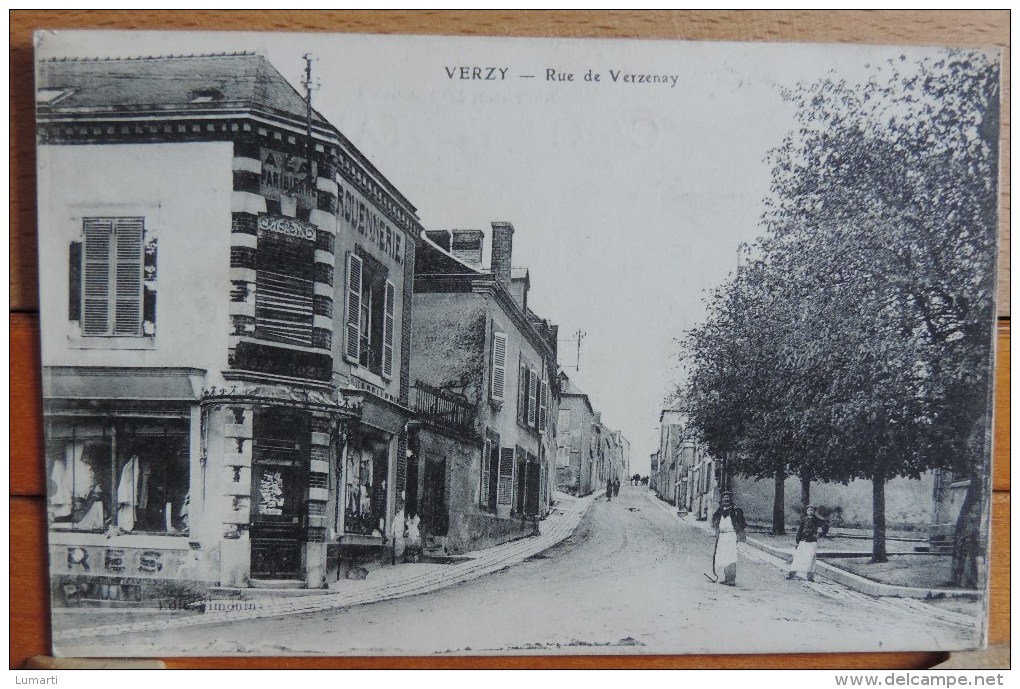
(367, 499)
(120, 452)
(272, 450)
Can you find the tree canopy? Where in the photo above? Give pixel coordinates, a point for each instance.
(857, 341)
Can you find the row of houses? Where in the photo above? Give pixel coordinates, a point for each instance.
(685, 474)
(589, 454)
(258, 365)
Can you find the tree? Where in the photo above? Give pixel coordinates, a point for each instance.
(858, 344)
(889, 191)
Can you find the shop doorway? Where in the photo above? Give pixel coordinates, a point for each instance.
(279, 487)
(435, 514)
(528, 484)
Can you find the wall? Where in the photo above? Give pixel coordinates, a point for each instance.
(184, 192)
(388, 244)
(908, 502)
(578, 438)
(470, 527)
(503, 419)
(448, 339)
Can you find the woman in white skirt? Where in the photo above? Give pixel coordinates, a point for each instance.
(807, 545)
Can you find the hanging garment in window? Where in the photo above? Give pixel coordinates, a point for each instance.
(127, 492)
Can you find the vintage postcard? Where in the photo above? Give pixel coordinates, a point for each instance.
(392, 345)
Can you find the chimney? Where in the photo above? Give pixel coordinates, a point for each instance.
(502, 249)
(467, 246)
(440, 237)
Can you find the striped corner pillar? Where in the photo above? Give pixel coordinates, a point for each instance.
(323, 217)
(246, 204)
(318, 500)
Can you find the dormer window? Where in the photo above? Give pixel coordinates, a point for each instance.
(51, 96)
(206, 96)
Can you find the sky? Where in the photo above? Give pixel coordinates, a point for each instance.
(628, 197)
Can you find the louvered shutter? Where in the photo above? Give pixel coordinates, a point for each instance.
(74, 282)
(353, 351)
(387, 366)
(483, 489)
(522, 393)
(543, 400)
(128, 281)
(532, 398)
(96, 298)
(493, 472)
(506, 476)
(498, 366)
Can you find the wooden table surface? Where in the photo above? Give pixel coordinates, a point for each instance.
(29, 621)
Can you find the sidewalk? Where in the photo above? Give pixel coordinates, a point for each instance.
(390, 582)
(781, 555)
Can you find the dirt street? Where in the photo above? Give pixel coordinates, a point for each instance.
(630, 579)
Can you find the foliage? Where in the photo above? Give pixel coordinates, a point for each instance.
(857, 342)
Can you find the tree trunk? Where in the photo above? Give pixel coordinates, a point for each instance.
(779, 504)
(967, 536)
(805, 490)
(878, 553)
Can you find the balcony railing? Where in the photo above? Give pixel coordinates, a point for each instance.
(438, 407)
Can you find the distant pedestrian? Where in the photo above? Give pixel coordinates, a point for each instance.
(616, 487)
(730, 528)
(810, 528)
(609, 490)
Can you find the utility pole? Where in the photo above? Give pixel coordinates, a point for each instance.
(578, 336)
(309, 87)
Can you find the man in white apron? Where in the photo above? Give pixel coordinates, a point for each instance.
(730, 528)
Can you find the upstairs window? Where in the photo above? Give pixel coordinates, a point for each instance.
(532, 397)
(499, 341)
(112, 278)
(284, 287)
(371, 315)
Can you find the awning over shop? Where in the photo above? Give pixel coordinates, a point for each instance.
(159, 384)
(120, 391)
(380, 413)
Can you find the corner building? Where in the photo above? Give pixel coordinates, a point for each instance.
(246, 427)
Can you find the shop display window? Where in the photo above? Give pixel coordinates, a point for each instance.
(365, 485)
(130, 477)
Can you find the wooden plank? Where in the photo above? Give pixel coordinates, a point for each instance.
(1000, 441)
(29, 590)
(26, 454)
(998, 618)
(907, 27)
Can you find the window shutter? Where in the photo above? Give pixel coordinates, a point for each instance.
(74, 282)
(96, 302)
(532, 398)
(498, 366)
(387, 367)
(353, 351)
(506, 476)
(493, 486)
(128, 291)
(522, 393)
(483, 489)
(542, 405)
